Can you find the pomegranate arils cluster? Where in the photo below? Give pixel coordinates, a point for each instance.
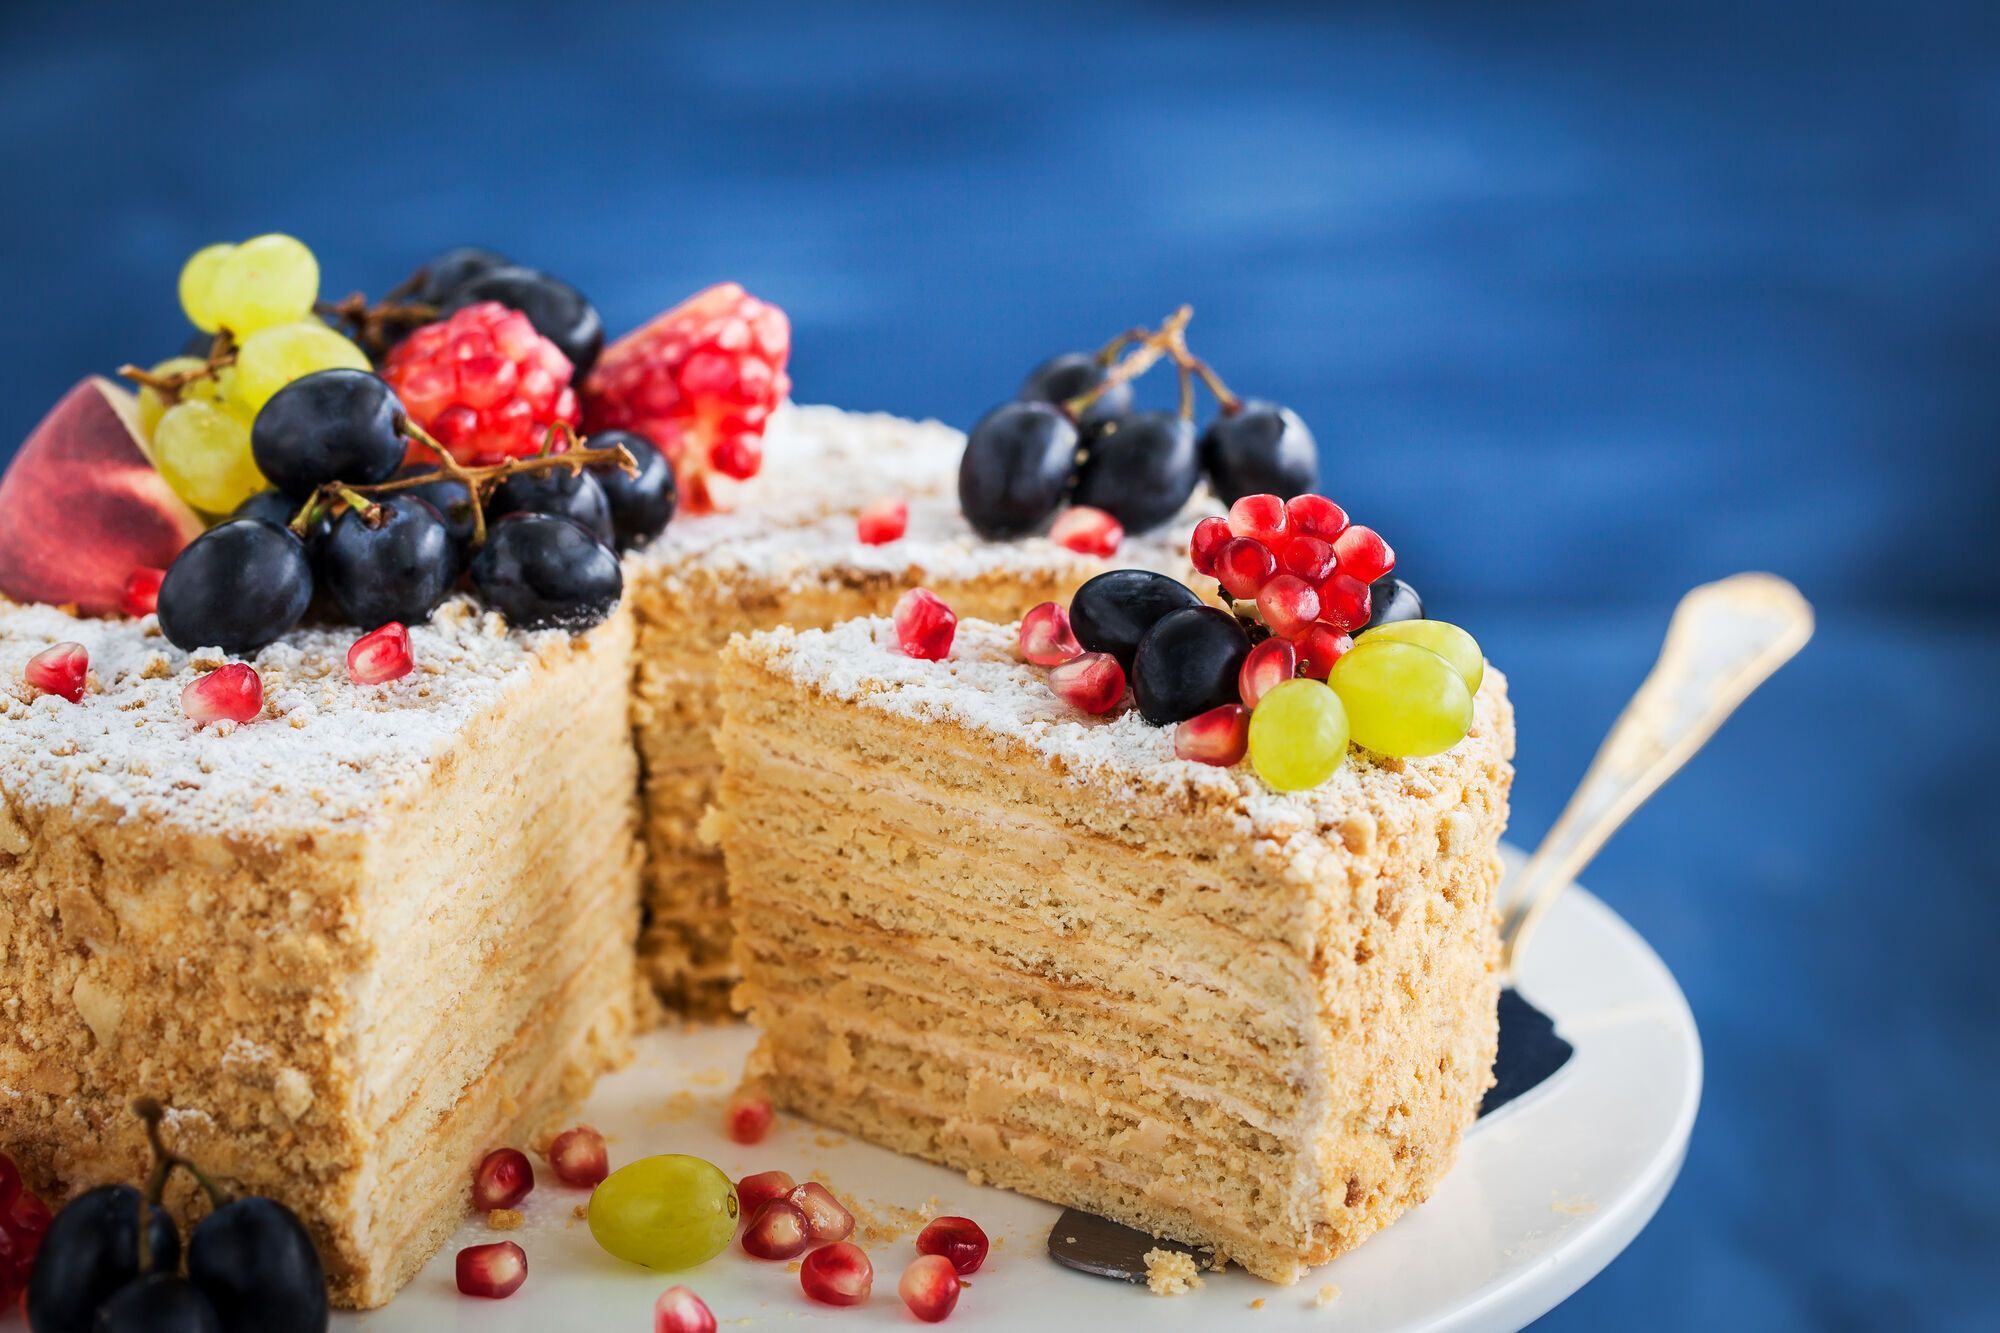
(930, 1288)
(925, 626)
(681, 1311)
(503, 1178)
(60, 670)
(1304, 566)
(580, 1158)
(493, 1271)
(233, 693)
(484, 382)
(380, 656)
(837, 1274)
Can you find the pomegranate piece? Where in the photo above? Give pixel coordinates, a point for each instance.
(958, 1239)
(60, 670)
(749, 1119)
(930, 1288)
(1261, 518)
(484, 382)
(493, 1271)
(1288, 604)
(754, 1191)
(882, 522)
(10, 1186)
(233, 693)
(1319, 648)
(837, 1274)
(1087, 531)
(1343, 602)
(1221, 736)
(924, 625)
(1316, 516)
(1270, 663)
(141, 594)
(579, 1158)
(380, 656)
(1363, 554)
(778, 1230)
(1210, 536)
(1046, 638)
(1091, 682)
(1243, 566)
(826, 1217)
(681, 1311)
(1308, 557)
(504, 1178)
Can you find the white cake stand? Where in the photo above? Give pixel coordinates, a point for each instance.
(1547, 1192)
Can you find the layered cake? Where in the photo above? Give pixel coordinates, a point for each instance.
(982, 926)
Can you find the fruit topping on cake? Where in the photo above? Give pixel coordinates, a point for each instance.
(882, 522)
(484, 381)
(60, 671)
(924, 624)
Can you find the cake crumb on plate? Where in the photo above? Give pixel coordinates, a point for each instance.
(504, 1219)
(1327, 1296)
(1171, 1273)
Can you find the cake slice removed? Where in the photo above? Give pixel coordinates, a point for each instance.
(980, 927)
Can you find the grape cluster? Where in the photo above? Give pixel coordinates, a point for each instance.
(1071, 436)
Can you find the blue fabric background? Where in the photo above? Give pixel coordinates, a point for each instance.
(1586, 303)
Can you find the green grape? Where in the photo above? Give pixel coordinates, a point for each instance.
(266, 281)
(197, 279)
(152, 406)
(669, 1212)
(1448, 641)
(204, 454)
(1402, 698)
(272, 358)
(1298, 734)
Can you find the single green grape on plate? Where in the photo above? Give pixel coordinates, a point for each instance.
(1402, 699)
(1447, 640)
(668, 1212)
(1298, 734)
(203, 453)
(269, 359)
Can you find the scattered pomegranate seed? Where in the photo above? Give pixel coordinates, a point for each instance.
(924, 625)
(681, 1311)
(1046, 638)
(1087, 531)
(1316, 516)
(754, 1191)
(1261, 518)
(1242, 566)
(380, 656)
(837, 1274)
(1092, 682)
(778, 1230)
(233, 693)
(1343, 602)
(1319, 648)
(1308, 557)
(1288, 604)
(494, 1271)
(930, 1288)
(882, 522)
(749, 1119)
(60, 670)
(1221, 736)
(504, 1178)
(579, 1158)
(484, 382)
(826, 1217)
(958, 1239)
(141, 594)
(1363, 554)
(1270, 663)
(1210, 536)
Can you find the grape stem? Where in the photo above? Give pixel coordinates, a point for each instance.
(152, 1113)
(371, 325)
(221, 352)
(1169, 341)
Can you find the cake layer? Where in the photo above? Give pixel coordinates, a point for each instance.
(980, 927)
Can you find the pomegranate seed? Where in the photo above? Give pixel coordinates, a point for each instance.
(930, 1288)
(1308, 557)
(60, 671)
(503, 1179)
(754, 1191)
(494, 1271)
(10, 1186)
(1261, 518)
(1270, 663)
(1088, 531)
(1046, 638)
(1092, 682)
(141, 594)
(958, 1239)
(1210, 536)
(1343, 602)
(1221, 737)
(1288, 604)
(233, 693)
(924, 625)
(681, 1311)
(749, 1119)
(826, 1217)
(838, 1274)
(882, 522)
(1316, 516)
(1363, 554)
(1319, 648)
(778, 1230)
(1243, 566)
(380, 656)
(579, 1158)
